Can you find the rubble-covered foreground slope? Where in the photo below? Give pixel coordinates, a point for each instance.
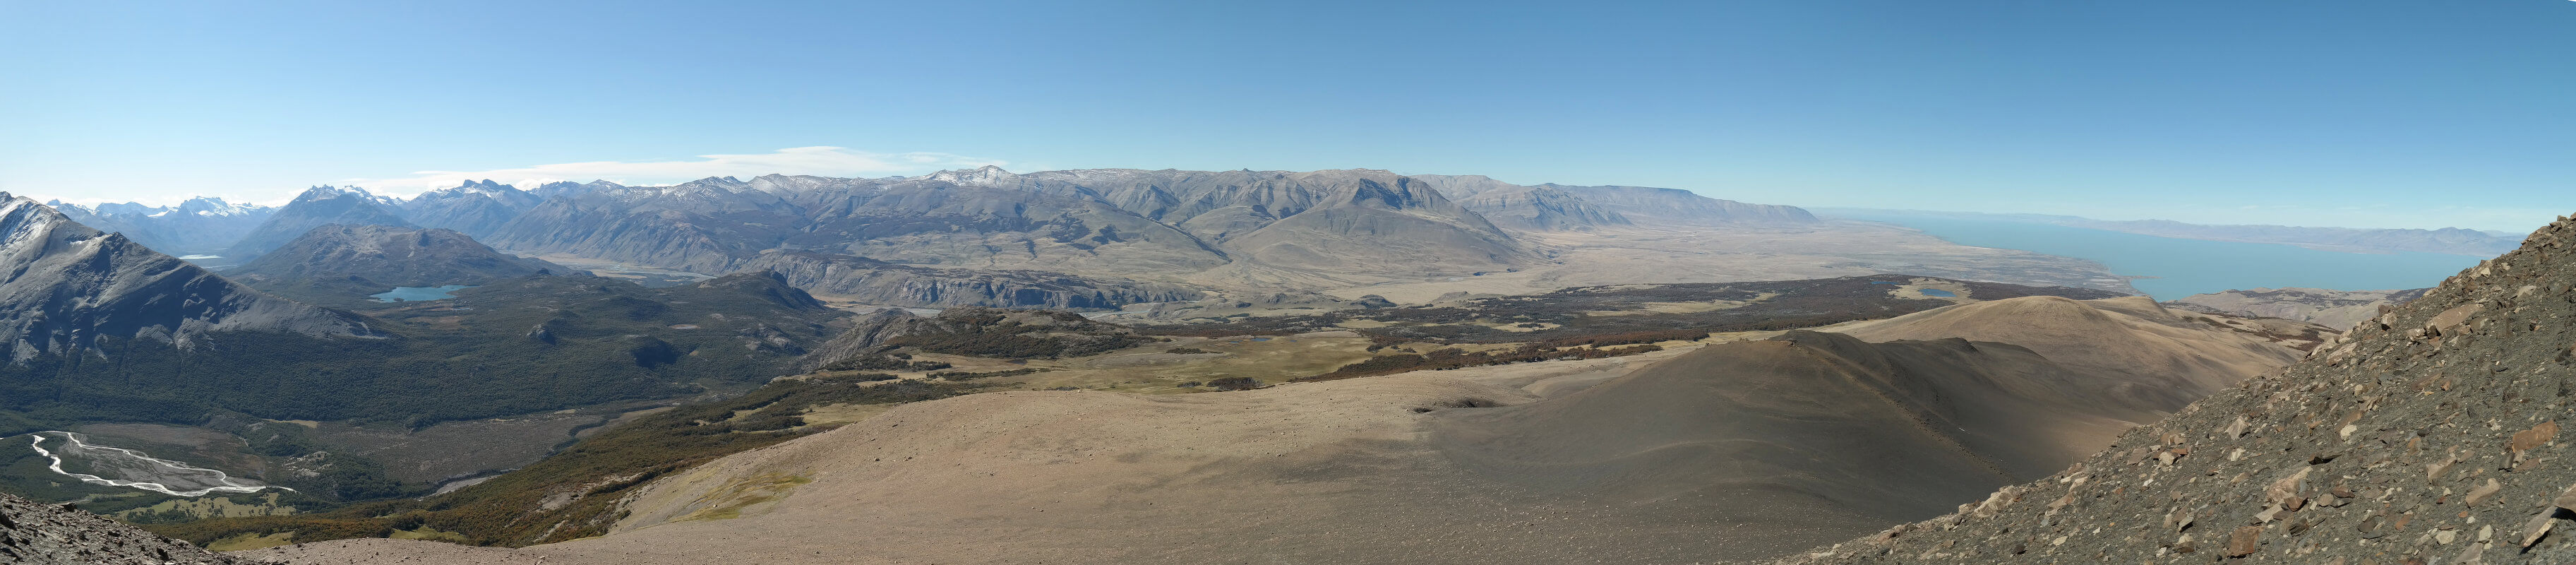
(49, 534)
(2427, 435)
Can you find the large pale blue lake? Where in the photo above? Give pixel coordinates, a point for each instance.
(418, 293)
(2185, 267)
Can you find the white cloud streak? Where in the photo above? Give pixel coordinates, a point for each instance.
(823, 161)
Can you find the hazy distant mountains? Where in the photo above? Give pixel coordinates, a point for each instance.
(199, 226)
(2456, 241)
(1555, 206)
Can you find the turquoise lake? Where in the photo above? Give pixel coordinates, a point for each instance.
(2185, 267)
(418, 293)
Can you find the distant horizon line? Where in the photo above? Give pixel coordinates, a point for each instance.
(525, 184)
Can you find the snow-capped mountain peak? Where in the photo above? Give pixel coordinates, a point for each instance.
(986, 175)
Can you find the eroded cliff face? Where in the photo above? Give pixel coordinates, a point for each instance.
(2429, 434)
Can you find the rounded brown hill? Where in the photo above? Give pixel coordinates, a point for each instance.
(2170, 356)
(2430, 434)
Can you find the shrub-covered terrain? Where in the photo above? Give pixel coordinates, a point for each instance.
(574, 494)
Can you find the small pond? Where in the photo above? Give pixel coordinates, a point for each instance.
(1938, 292)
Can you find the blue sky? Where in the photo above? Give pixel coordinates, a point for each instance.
(2359, 113)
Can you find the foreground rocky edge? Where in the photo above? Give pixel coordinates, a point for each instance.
(2427, 435)
(53, 534)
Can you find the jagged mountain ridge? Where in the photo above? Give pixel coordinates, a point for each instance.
(2428, 434)
(1099, 222)
(316, 207)
(1120, 220)
(202, 225)
(72, 284)
(474, 207)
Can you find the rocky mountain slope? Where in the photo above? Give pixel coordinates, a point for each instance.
(74, 285)
(2429, 434)
(1539, 208)
(2338, 309)
(199, 226)
(50, 534)
(317, 207)
(392, 256)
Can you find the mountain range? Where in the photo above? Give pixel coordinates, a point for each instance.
(1097, 239)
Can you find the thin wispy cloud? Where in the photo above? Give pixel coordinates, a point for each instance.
(823, 161)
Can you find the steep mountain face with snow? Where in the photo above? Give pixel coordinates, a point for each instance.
(475, 208)
(74, 285)
(317, 207)
(201, 225)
